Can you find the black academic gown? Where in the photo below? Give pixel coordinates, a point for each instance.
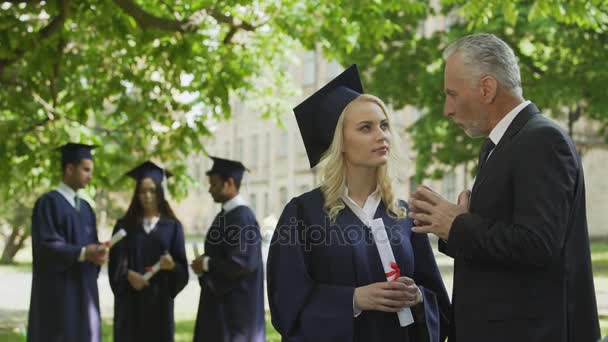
(64, 303)
(147, 315)
(231, 307)
(522, 266)
(314, 267)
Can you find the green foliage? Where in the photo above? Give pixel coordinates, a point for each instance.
(138, 89)
(560, 45)
(151, 82)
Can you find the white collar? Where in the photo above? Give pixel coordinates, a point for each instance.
(502, 126)
(150, 223)
(232, 203)
(365, 214)
(67, 192)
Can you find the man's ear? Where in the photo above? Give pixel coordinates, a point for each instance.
(230, 183)
(488, 87)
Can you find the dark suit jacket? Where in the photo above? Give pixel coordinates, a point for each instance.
(522, 266)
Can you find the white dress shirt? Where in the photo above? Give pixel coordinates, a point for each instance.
(149, 223)
(69, 194)
(366, 215)
(501, 127)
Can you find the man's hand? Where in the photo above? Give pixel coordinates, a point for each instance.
(136, 280)
(433, 213)
(197, 265)
(95, 253)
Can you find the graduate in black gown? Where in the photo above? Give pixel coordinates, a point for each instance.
(64, 304)
(143, 310)
(231, 273)
(326, 281)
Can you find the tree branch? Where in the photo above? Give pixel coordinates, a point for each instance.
(148, 20)
(46, 32)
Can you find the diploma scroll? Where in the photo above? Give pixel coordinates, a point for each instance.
(151, 271)
(119, 235)
(391, 269)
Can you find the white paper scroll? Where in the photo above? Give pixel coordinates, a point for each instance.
(119, 235)
(197, 253)
(386, 256)
(151, 271)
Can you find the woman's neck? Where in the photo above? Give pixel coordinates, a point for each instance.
(150, 213)
(361, 182)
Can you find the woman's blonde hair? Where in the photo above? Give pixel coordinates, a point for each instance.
(333, 167)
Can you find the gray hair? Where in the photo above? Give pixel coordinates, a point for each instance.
(486, 54)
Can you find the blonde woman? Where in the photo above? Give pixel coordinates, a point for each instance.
(325, 278)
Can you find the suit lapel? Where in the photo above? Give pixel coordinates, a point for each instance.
(518, 123)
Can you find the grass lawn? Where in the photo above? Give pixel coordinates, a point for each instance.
(185, 328)
(599, 258)
(183, 332)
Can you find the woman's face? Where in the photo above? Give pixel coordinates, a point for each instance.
(147, 194)
(366, 135)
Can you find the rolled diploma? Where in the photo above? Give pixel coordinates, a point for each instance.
(151, 271)
(119, 235)
(195, 250)
(386, 256)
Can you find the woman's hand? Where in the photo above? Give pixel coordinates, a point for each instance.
(390, 296)
(166, 262)
(136, 280)
(385, 296)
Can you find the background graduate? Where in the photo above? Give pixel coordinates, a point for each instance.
(64, 304)
(326, 281)
(231, 307)
(143, 311)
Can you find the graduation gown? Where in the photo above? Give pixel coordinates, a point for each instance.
(314, 267)
(231, 306)
(64, 304)
(147, 315)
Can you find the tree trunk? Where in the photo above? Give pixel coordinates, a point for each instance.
(13, 244)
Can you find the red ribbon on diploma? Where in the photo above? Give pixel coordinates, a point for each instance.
(395, 272)
(149, 269)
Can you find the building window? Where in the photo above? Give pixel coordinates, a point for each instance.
(228, 151)
(253, 160)
(283, 196)
(266, 205)
(309, 78)
(268, 151)
(239, 149)
(253, 202)
(413, 184)
(333, 69)
(449, 186)
(284, 145)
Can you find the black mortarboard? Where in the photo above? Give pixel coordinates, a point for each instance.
(150, 170)
(227, 168)
(72, 152)
(318, 115)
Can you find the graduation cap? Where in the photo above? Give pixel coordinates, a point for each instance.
(72, 152)
(318, 115)
(148, 169)
(227, 168)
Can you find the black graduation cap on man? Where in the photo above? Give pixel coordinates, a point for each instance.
(74, 152)
(148, 169)
(227, 168)
(318, 115)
